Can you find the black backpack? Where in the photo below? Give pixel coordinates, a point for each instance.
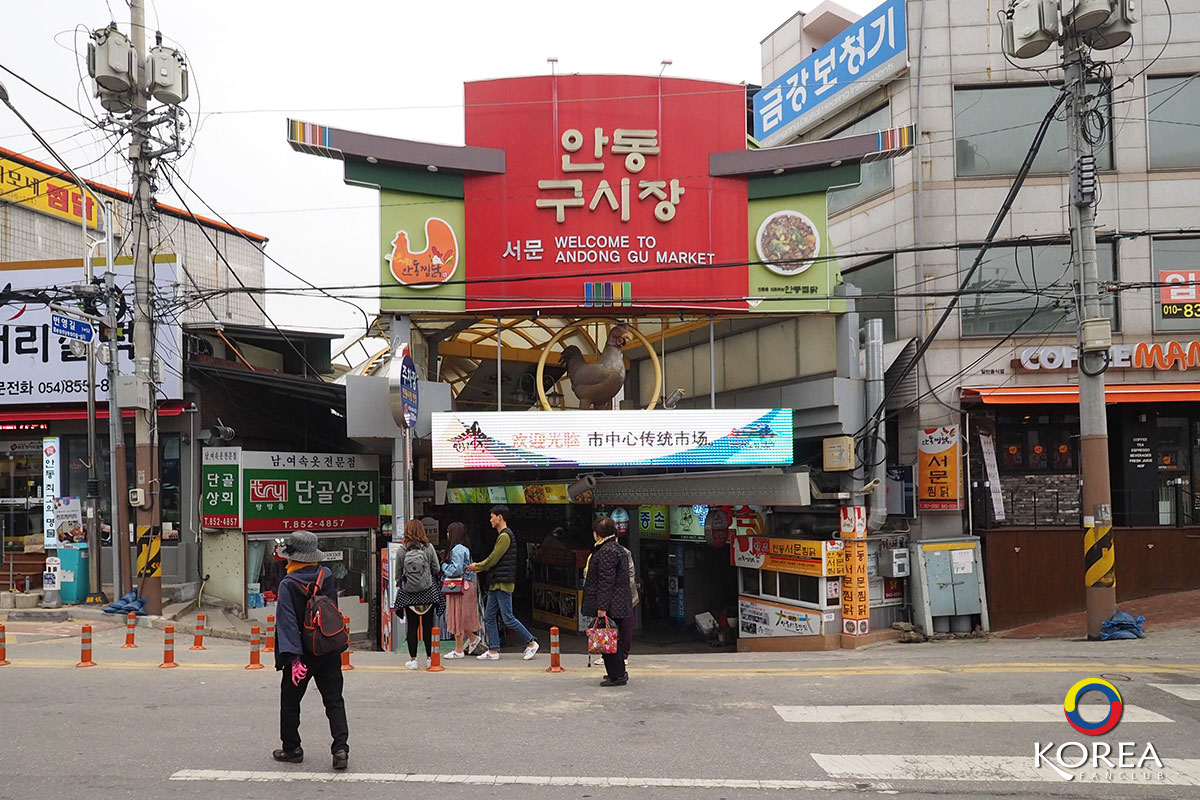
(322, 628)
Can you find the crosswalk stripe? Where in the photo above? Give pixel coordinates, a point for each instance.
(1175, 772)
(247, 776)
(1188, 691)
(945, 713)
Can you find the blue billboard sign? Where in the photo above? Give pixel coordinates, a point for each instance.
(856, 61)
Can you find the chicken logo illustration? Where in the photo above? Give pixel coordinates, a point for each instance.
(431, 266)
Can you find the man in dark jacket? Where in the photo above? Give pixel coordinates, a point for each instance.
(501, 568)
(297, 665)
(607, 593)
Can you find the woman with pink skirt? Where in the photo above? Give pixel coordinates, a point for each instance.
(462, 609)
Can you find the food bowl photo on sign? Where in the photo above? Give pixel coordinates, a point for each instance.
(787, 242)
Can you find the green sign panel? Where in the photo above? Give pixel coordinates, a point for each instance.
(422, 251)
(221, 483)
(309, 491)
(792, 263)
(271, 492)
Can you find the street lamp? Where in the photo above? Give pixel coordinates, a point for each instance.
(95, 595)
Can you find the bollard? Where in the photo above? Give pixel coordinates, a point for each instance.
(168, 648)
(435, 659)
(3, 649)
(255, 649)
(269, 644)
(198, 642)
(346, 665)
(130, 627)
(85, 648)
(555, 656)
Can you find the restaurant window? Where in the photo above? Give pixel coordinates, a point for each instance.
(749, 579)
(1033, 441)
(994, 127)
(875, 176)
(1027, 288)
(1173, 114)
(1176, 271)
(878, 284)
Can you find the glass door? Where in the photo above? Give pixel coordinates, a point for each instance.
(20, 492)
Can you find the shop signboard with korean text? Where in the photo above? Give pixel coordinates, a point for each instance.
(687, 522)
(221, 487)
(51, 486)
(758, 618)
(1179, 294)
(423, 255)
(796, 556)
(40, 190)
(543, 439)
(652, 522)
(938, 484)
(37, 365)
(309, 491)
(606, 187)
(856, 61)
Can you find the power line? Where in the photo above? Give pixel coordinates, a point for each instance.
(238, 278)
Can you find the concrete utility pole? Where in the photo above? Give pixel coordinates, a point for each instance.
(1095, 338)
(116, 436)
(148, 515)
(1031, 27)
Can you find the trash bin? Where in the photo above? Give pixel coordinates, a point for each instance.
(73, 573)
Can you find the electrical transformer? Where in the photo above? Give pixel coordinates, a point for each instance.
(110, 60)
(168, 76)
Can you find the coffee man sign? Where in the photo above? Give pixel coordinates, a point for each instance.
(939, 487)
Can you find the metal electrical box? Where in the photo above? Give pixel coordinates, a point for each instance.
(948, 590)
(893, 563)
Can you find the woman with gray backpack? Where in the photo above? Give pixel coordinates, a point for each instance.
(418, 590)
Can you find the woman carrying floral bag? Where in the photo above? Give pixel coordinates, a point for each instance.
(607, 595)
(461, 591)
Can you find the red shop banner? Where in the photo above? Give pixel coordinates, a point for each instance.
(607, 188)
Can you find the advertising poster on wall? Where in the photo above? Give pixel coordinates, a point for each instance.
(792, 267)
(758, 618)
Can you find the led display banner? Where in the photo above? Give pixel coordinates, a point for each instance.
(540, 439)
(858, 60)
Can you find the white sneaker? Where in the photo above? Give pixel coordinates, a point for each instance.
(454, 654)
(530, 650)
(411, 664)
(488, 655)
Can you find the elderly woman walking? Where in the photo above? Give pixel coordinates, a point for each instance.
(607, 594)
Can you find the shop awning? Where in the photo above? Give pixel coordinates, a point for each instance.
(170, 408)
(1116, 393)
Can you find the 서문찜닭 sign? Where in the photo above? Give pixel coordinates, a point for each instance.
(938, 485)
(536, 439)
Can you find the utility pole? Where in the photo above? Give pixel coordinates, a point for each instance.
(148, 513)
(1031, 26)
(116, 436)
(1095, 338)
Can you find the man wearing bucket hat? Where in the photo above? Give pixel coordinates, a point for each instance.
(303, 569)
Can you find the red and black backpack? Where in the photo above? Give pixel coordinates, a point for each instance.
(322, 628)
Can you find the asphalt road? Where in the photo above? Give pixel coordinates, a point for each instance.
(935, 720)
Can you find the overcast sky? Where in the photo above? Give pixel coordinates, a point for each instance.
(392, 68)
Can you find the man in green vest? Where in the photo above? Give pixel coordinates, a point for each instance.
(501, 567)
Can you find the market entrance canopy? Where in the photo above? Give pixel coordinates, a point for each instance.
(602, 194)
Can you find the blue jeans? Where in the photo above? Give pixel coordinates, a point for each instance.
(499, 605)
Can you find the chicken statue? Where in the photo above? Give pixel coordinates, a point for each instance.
(598, 383)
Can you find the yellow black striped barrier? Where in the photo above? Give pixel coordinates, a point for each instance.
(1099, 558)
(149, 544)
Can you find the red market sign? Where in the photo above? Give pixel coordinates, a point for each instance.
(607, 186)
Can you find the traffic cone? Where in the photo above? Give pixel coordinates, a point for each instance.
(130, 627)
(555, 656)
(198, 640)
(255, 649)
(3, 649)
(85, 648)
(435, 659)
(168, 648)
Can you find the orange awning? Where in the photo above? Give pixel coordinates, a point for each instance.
(1116, 393)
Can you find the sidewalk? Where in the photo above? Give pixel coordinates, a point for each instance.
(1162, 612)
